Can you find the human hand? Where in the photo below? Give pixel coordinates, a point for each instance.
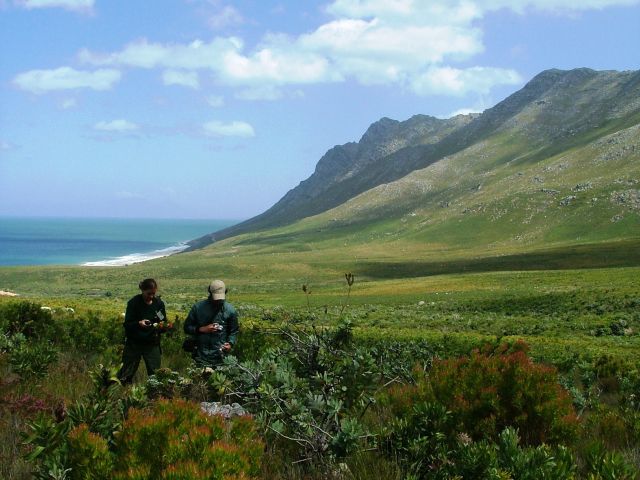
(144, 323)
(211, 328)
(226, 347)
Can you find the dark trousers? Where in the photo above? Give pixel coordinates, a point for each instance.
(131, 359)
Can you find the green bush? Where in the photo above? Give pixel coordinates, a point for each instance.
(30, 358)
(165, 383)
(28, 318)
(308, 393)
(101, 412)
(607, 369)
(91, 332)
(600, 464)
(426, 441)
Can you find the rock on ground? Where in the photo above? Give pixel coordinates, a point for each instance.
(218, 408)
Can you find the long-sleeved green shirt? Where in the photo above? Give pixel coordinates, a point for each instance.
(209, 345)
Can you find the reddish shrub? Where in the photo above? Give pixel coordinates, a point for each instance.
(29, 406)
(491, 390)
(176, 440)
(89, 455)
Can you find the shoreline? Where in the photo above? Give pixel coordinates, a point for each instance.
(97, 242)
(132, 258)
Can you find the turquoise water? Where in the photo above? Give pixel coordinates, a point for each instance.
(96, 241)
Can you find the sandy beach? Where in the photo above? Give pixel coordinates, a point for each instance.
(137, 257)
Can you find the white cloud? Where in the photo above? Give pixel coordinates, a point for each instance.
(66, 78)
(223, 57)
(215, 101)
(68, 103)
(464, 111)
(479, 106)
(456, 9)
(364, 8)
(375, 52)
(119, 125)
(412, 44)
(275, 66)
(453, 81)
(520, 6)
(177, 77)
(226, 17)
(409, 12)
(73, 5)
(143, 54)
(228, 129)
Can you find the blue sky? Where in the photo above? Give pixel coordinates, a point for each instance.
(215, 108)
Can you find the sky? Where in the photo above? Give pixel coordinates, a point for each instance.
(216, 108)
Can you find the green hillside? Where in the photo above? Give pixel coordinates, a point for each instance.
(563, 131)
(498, 199)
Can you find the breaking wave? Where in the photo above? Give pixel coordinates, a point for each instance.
(137, 257)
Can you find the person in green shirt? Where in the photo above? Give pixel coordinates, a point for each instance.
(144, 321)
(214, 325)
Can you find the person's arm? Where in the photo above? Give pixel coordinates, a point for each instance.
(163, 311)
(191, 323)
(132, 319)
(232, 328)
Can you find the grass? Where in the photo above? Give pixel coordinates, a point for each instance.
(557, 310)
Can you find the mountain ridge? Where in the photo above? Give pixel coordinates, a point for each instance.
(552, 110)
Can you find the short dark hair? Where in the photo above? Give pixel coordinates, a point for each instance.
(147, 284)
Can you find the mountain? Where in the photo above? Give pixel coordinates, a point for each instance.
(349, 169)
(563, 135)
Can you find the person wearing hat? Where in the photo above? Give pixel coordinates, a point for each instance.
(145, 319)
(214, 325)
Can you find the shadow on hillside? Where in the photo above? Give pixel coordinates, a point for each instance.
(614, 254)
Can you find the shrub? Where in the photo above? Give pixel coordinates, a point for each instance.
(101, 412)
(29, 406)
(488, 392)
(89, 456)
(607, 369)
(427, 443)
(308, 393)
(166, 383)
(630, 390)
(32, 359)
(29, 319)
(602, 465)
(90, 332)
(175, 439)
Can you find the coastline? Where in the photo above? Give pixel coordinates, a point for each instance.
(97, 242)
(132, 258)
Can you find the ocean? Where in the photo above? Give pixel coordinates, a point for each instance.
(96, 241)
